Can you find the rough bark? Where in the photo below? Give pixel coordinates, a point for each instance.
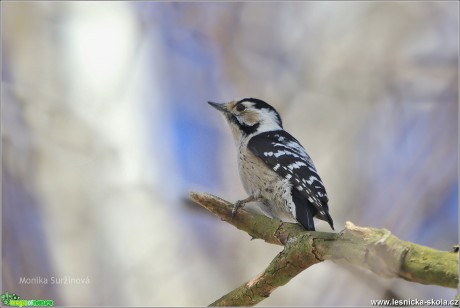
(374, 249)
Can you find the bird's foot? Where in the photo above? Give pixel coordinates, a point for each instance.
(240, 203)
(236, 206)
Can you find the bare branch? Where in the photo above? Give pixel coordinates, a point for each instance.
(374, 249)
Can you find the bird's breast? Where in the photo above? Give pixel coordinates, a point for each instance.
(262, 182)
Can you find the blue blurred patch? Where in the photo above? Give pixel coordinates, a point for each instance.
(441, 226)
(196, 147)
(190, 80)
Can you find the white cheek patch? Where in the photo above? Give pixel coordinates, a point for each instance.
(249, 117)
(269, 121)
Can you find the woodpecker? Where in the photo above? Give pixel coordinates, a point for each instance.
(274, 167)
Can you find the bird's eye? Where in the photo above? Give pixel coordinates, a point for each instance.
(241, 108)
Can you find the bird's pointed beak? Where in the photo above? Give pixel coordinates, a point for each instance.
(220, 107)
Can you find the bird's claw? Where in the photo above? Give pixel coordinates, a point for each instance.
(236, 206)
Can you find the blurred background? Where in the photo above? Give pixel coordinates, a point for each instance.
(106, 129)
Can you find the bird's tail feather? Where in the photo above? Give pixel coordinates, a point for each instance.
(326, 217)
(304, 211)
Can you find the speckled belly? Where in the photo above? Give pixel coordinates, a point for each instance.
(267, 186)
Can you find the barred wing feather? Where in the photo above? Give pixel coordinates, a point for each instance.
(284, 155)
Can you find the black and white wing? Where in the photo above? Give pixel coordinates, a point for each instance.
(284, 155)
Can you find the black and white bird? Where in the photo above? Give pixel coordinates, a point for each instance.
(274, 167)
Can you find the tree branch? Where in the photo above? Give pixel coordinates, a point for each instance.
(374, 249)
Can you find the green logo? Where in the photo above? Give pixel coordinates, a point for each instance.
(6, 298)
(16, 301)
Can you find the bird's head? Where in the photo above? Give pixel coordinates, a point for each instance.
(249, 116)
